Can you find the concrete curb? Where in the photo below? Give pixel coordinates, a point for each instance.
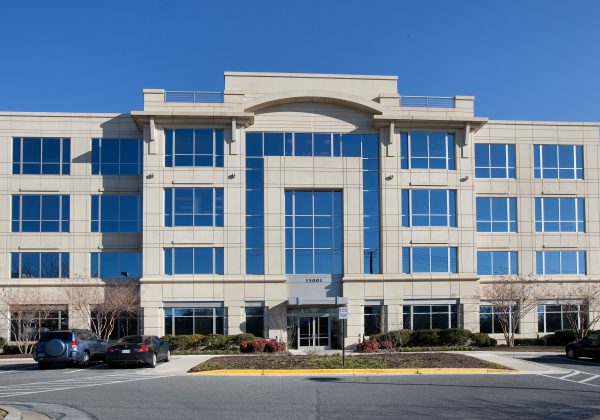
(354, 372)
(13, 413)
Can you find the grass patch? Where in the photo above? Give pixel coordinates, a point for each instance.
(372, 361)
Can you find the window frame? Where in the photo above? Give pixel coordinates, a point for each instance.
(217, 312)
(406, 146)
(19, 260)
(539, 168)
(218, 261)
(409, 315)
(64, 160)
(97, 146)
(96, 224)
(512, 221)
(510, 159)
(579, 256)
(64, 213)
(407, 255)
(513, 257)
(542, 225)
(218, 145)
(408, 213)
(542, 313)
(513, 308)
(98, 265)
(170, 200)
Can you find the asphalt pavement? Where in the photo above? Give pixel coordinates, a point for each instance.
(561, 389)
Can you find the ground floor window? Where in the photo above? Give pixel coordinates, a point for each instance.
(255, 321)
(372, 319)
(553, 317)
(185, 321)
(26, 325)
(425, 317)
(125, 324)
(490, 319)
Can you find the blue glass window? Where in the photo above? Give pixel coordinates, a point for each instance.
(194, 261)
(429, 260)
(194, 147)
(46, 265)
(116, 213)
(259, 144)
(427, 150)
(116, 265)
(559, 214)
(560, 262)
(557, 162)
(429, 208)
(193, 207)
(40, 213)
(313, 232)
(496, 214)
(497, 263)
(41, 156)
(495, 161)
(117, 157)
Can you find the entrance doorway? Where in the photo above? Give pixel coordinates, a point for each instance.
(315, 328)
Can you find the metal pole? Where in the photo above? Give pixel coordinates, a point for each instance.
(343, 342)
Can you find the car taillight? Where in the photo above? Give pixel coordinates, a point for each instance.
(110, 349)
(74, 344)
(143, 349)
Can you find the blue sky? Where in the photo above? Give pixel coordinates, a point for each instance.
(534, 59)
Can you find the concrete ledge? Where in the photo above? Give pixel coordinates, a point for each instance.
(14, 413)
(355, 372)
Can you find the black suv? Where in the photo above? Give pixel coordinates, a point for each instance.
(66, 346)
(587, 347)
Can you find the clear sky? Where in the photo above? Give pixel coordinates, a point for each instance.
(522, 59)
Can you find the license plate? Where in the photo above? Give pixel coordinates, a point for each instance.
(126, 351)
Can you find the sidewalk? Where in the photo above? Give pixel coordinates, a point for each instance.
(179, 365)
(515, 361)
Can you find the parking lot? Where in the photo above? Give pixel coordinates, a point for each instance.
(572, 390)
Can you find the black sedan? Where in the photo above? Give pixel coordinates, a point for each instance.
(587, 347)
(138, 349)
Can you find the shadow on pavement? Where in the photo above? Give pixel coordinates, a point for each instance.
(562, 360)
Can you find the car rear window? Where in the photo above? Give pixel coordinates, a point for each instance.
(131, 339)
(64, 336)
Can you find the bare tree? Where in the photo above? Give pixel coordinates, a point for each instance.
(583, 300)
(23, 310)
(103, 302)
(512, 297)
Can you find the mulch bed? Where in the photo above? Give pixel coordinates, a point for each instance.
(15, 356)
(375, 361)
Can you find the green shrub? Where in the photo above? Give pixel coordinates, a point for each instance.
(400, 338)
(179, 342)
(530, 342)
(216, 342)
(424, 338)
(11, 349)
(482, 340)
(561, 338)
(237, 339)
(453, 337)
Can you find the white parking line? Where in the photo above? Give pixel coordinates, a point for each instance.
(591, 378)
(575, 372)
(65, 384)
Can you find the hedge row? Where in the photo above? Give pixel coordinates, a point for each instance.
(450, 337)
(261, 345)
(206, 342)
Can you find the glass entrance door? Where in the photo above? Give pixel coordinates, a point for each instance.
(313, 331)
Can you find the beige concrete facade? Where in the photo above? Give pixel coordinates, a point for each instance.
(307, 103)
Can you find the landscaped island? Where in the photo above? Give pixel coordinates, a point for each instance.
(374, 361)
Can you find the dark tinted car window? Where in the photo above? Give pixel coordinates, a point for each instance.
(132, 339)
(594, 336)
(64, 336)
(83, 335)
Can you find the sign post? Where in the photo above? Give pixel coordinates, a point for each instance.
(343, 314)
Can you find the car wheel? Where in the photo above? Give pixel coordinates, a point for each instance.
(572, 353)
(43, 366)
(153, 362)
(85, 361)
(168, 358)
